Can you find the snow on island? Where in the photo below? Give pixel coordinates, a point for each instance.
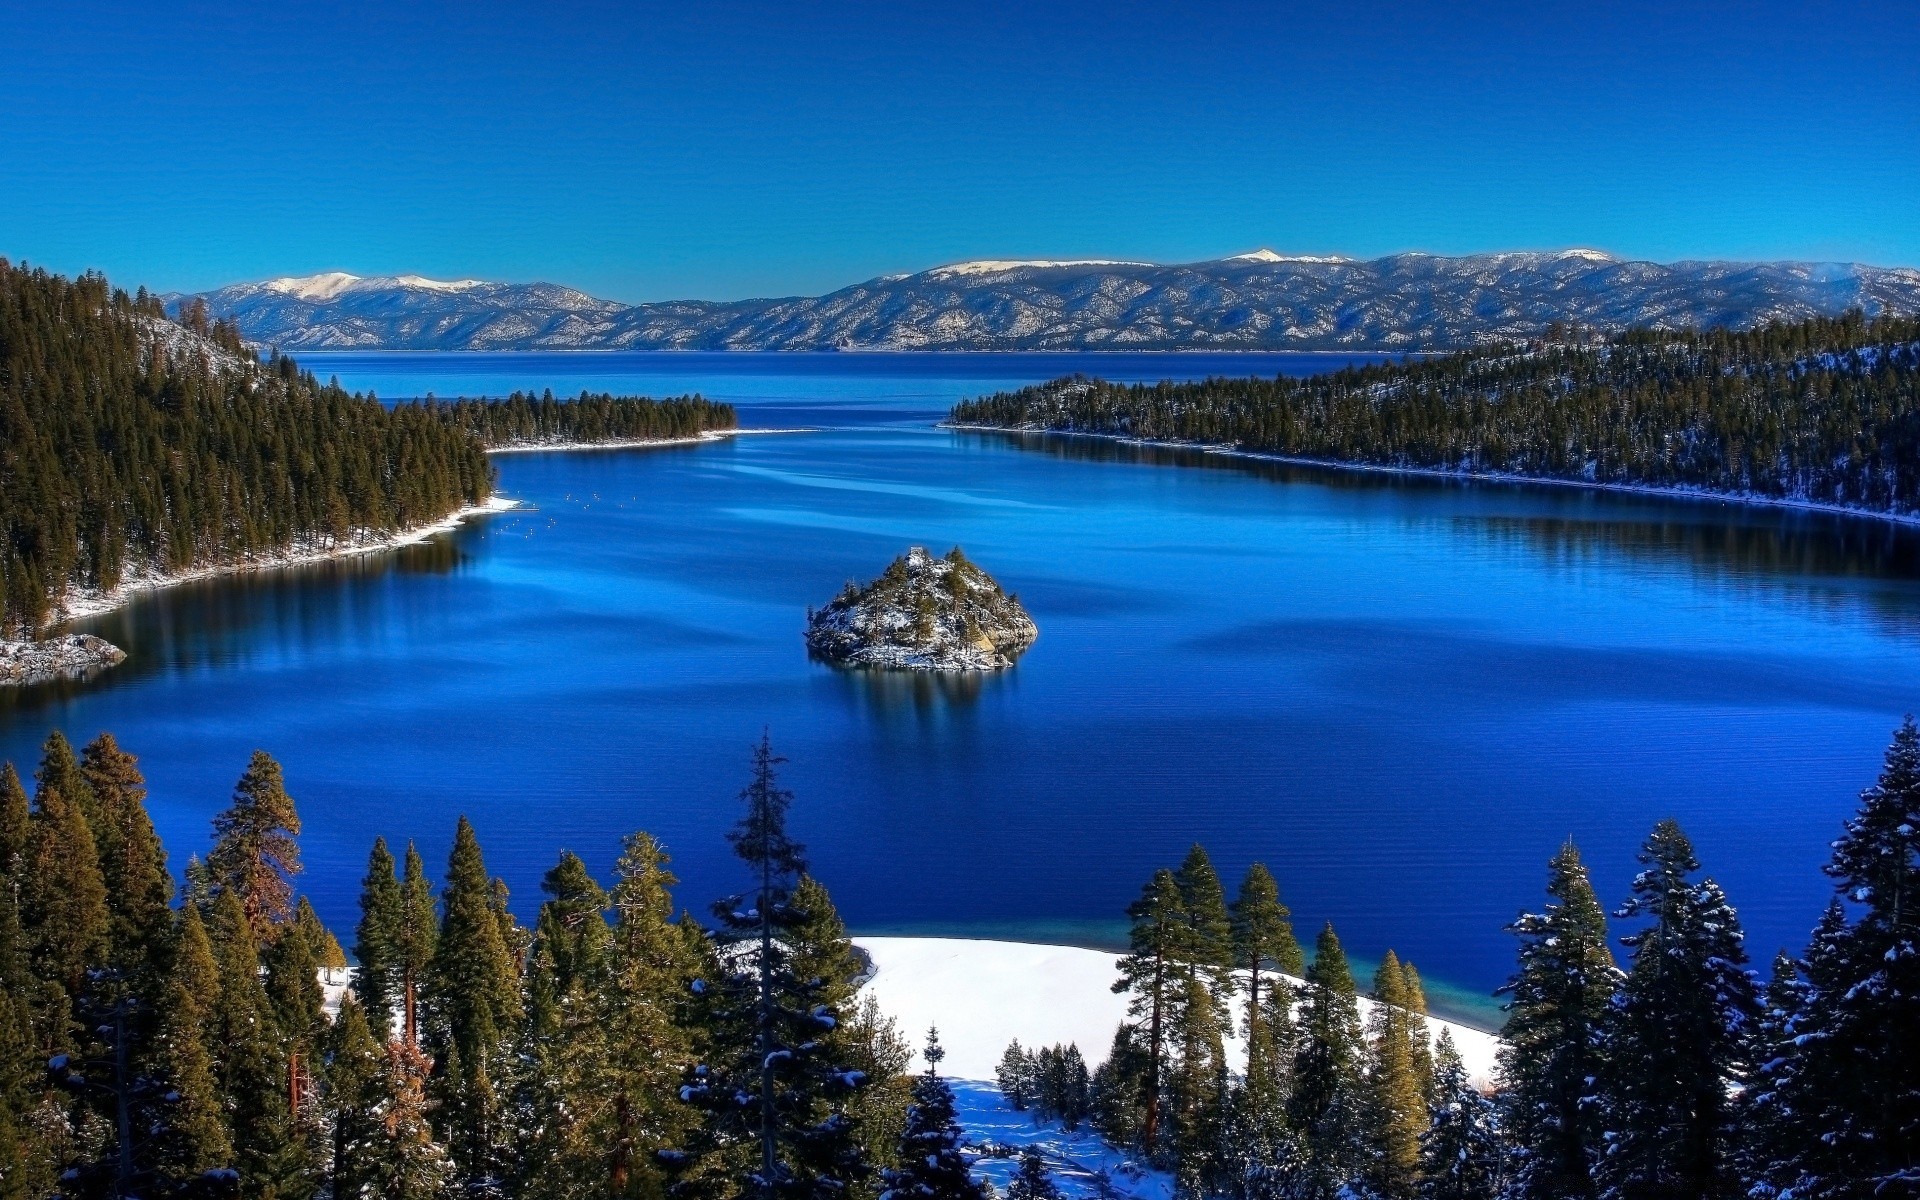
(923, 614)
(73, 656)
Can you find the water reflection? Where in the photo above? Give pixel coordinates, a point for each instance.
(919, 693)
(250, 618)
(1841, 564)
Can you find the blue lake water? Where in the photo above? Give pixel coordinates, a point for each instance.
(1400, 694)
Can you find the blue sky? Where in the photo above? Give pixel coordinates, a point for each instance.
(723, 150)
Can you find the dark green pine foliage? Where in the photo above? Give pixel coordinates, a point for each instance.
(356, 1058)
(932, 1166)
(1461, 1156)
(187, 1053)
(773, 1096)
(251, 1066)
(1152, 973)
(1198, 1088)
(523, 419)
(416, 939)
(1678, 1039)
(135, 447)
(254, 856)
(133, 864)
(1015, 1077)
(1328, 1106)
(1851, 1094)
(1819, 410)
(564, 1040)
(475, 1008)
(1263, 1153)
(1558, 1002)
(378, 982)
(65, 899)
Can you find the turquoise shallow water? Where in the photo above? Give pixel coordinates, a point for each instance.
(1400, 694)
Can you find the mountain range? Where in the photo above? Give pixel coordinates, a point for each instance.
(1257, 301)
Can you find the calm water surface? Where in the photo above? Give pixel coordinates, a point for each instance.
(1400, 695)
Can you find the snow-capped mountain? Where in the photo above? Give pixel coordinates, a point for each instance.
(1255, 301)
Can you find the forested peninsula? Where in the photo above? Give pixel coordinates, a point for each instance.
(1822, 412)
(135, 446)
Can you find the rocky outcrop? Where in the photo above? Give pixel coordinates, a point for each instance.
(68, 657)
(923, 614)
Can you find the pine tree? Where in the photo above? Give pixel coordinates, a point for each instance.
(1263, 938)
(1015, 1076)
(416, 938)
(254, 854)
(475, 1008)
(1419, 1035)
(1397, 1108)
(60, 770)
(66, 916)
(250, 1066)
(931, 1164)
(356, 1079)
(648, 1036)
(769, 1084)
(1766, 1128)
(375, 947)
(133, 865)
(1198, 1085)
(1850, 1098)
(186, 1054)
(1677, 1037)
(409, 1163)
(1328, 1103)
(1032, 1181)
(1559, 1000)
(1151, 971)
(1460, 1153)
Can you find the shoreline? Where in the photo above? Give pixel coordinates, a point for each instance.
(84, 604)
(698, 439)
(1744, 499)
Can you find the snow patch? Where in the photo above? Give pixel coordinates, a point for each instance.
(1264, 255)
(324, 286)
(993, 266)
(984, 994)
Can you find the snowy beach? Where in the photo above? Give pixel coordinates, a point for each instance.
(984, 994)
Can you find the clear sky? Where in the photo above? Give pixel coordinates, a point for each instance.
(722, 150)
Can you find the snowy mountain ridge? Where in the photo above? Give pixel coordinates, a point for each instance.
(1259, 300)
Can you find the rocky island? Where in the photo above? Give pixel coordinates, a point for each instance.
(70, 656)
(923, 614)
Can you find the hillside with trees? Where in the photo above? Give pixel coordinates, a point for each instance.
(1826, 411)
(136, 446)
(181, 1042)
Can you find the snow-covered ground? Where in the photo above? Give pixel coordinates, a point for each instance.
(1081, 1163)
(984, 994)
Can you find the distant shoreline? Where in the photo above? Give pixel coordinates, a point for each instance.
(1747, 499)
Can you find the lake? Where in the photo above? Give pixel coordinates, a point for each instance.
(1401, 694)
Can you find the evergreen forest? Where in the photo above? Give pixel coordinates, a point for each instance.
(1826, 411)
(209, 1039)
(136, 445)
